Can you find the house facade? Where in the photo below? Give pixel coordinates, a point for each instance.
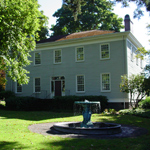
(84, 63)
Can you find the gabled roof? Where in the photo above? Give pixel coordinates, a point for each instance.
(76, 35)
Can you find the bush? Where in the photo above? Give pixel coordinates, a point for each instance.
(59, 104)
(6, 94)
(110, 111)
(145, 113)
(67, 102)
(27, 104)
(145, 104)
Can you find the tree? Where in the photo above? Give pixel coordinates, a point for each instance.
(97, 15)
(75, 5)
(136, 86)
(140, 3)
(43, 33)
(19, 23)
(2, 80)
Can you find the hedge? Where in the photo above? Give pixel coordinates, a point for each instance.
(59, 104)
(6, 94)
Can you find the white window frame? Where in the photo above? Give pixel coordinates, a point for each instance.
(80, 84)
(101, 81)
(59, 56)
(101, 51)
(141, 63)
(137, 61)
(35, 58)
(76, 53)
(17, 88)
(35, 85)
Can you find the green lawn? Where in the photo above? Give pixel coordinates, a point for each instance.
(14, 133)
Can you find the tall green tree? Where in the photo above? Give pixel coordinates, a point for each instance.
(75, 5)
(94, 15)
(19, 23)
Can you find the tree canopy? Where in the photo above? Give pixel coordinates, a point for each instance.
(94, 15)
(19, 23)
(75, 5)
(43, 33)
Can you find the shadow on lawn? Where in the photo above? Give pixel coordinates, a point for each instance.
(88, 144)
(4, 145)
(33, 115)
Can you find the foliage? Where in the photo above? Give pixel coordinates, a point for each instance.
(75, 5)
(43, 33)
(140, 3)
(59, 104)
(110, 111)
(19, 23)
(67, 102)
(137, 112)
(134, 85)
(2, 80)
(97, 15)
(145, 104)
(6, 94)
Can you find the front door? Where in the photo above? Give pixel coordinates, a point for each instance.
(57, 88)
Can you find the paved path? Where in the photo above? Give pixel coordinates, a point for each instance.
(47, 129)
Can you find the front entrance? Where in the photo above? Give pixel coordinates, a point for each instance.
(58, 86)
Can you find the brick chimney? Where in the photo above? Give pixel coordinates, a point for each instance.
(128, 23)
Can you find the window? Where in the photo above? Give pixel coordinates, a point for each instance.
(105, 82)
(131, 53)
(79, 54)
(141, 63)
(104, 51)
(37, 58)
(19, 88)
(80, 83)
(57, 56)
(37, 85)
(137, 61)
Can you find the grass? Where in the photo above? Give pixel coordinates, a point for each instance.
(14, 133)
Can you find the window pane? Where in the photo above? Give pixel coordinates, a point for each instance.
(105, 82)
(57, 56)
(80, 83)
(37, 85)
(80, 87)
(80, 54)
(37, 58)
(105, 51)
(19, 87)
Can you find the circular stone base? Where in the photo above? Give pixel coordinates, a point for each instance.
(47, 129)
(98, 128)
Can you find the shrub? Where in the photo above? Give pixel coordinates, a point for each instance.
(59, 103)
(137, 112)
(110, 111)
(145, 104)
(67, 102)
(6, 94)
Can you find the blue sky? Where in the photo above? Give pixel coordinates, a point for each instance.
(139, 26)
